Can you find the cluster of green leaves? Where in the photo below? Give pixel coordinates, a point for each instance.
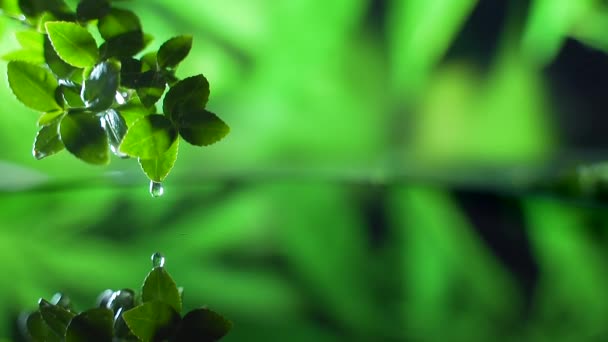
(96, 99)
(122, 316)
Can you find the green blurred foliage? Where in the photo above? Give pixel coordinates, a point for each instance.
(269, 227)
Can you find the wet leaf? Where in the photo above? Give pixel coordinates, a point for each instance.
(92, 9)
(158, 168)
(33, 86)
(38, 330)
(152, 321)
(149, 137)
(173, 51)
(94, 325)
(83, 136)
(47, 141)
(57, 65)
(116, 128)
(118, 22)
(160, 286)
(201, 127)
(99, 89)
(55, 317)
(203, 325)
(73, 43)
(191, 93)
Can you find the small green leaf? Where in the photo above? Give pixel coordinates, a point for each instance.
(32, 8)
(60, 68)
(124, 45)
(55, 317)
(130, 72)
(92, 325)
(134, 110)
(160, 286)
(47, 118)
(150, 87)
(173, 51)
(70, 93)
(83, 136)
(118, 22)
(33, 86)
(92, 9)
(116, 128)
(158, 168)
(203, 325)
(30, 40)
(99, 89)
(24, 55)
(191, 93)
(73, 43)
(38, 330)
(149, 137)
(152, 321)
(47, 141)
(201, 127)
(148, 61)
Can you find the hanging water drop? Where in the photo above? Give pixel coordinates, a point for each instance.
(156, 189)
(158, 260)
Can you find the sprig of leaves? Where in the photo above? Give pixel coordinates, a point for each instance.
(122, 316)
(97, 100)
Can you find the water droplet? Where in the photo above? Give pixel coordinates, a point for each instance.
(156, 189)
(158, 260)
(61, 300)
(121, 299)
(117, 152)
(38, 154)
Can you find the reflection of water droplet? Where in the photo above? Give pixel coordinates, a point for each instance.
(158, 260)
(156, 189)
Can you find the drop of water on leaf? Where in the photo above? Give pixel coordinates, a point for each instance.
(158, 260)
(156, 189)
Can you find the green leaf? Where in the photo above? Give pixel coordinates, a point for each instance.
(201, 127)
(150, 87)
(99, 89)
(149, 137)
(83, 136)
(92, 9)
(118, 22)
(30, 40)
(130, 72)
(38, 330)
(24, 55)
(55, 317)
(60, 68)
(116, 128)
(47, 141)
(73, 43)
(91, 325)
(47, 118)
(173, 51)
(160, 286)
(124, 45)
(70, 92)
(191, 93)
(32, 8)
(148, 61)
(203, 325)
(157, 169)
(134, 110)
(152, 321)
(33, 86)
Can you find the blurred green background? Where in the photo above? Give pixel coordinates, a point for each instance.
(378, 184)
